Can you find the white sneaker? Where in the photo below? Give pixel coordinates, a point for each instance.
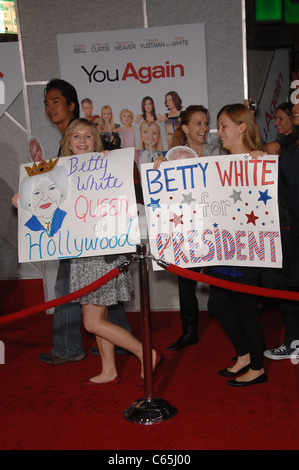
(283, 352)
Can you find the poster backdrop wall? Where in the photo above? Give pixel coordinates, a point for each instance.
(122, 68)
(213, 211)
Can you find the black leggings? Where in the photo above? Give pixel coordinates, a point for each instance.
(237, 314)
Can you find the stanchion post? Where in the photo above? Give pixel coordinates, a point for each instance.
(145, 322)
(149, 409)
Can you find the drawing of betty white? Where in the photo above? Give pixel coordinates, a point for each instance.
(42, 193)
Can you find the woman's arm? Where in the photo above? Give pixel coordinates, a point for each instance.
(15, 199)
(272, 148)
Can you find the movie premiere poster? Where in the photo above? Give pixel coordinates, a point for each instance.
(213, 211)
(275, 92)
(77, 206)
(136, 82)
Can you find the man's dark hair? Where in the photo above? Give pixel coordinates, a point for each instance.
(67, 90)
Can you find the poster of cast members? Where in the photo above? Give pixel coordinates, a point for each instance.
(133, 84)
(82, 205)
(213, 211)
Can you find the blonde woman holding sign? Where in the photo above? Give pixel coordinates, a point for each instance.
(82, 137)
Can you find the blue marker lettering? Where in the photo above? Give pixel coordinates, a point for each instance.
(168, 180)
(51, 242)
(80, 249)
(126, 235)
(101, 243)
(91, 247)
(184, 168)
(34, 244)
(154, 181)
(204, 172)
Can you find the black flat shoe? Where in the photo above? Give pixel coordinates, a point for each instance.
(227, 373)
(183, 342)
(259, 380)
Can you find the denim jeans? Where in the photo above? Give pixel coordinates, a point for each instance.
(117, 315)
(67, 336)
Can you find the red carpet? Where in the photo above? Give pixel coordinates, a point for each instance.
(17, 294)
(48, 407)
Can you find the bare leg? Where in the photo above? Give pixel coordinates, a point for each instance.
(251, 374)
(241, 362)
(108, 334)
(107, 354)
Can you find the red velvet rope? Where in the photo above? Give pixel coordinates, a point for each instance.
(199, 277)
(61, 300)
(235, 286)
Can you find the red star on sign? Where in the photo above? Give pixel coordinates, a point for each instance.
(251, 218)
(177, 219)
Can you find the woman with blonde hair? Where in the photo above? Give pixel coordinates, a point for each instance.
(150, 136)
(76, 126)
(126, 131)
(107, 126)
(81, 137)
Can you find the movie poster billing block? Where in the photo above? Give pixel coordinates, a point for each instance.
(213, 211)
(78, 206)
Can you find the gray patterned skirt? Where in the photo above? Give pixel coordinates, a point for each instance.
(87, 270)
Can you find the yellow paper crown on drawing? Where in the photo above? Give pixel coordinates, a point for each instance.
(42, 167)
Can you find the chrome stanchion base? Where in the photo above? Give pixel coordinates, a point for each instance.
(149, 411)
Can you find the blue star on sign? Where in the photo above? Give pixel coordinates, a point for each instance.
(154, 204)
(264, 196)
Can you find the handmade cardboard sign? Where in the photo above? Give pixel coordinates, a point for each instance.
(77, 206)
(213, 211)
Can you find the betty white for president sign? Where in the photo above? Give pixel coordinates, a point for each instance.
(213, 211)
(82, 205)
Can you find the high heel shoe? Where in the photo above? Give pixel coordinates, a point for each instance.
(111, 382)
(228, 373)
(158, 361)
